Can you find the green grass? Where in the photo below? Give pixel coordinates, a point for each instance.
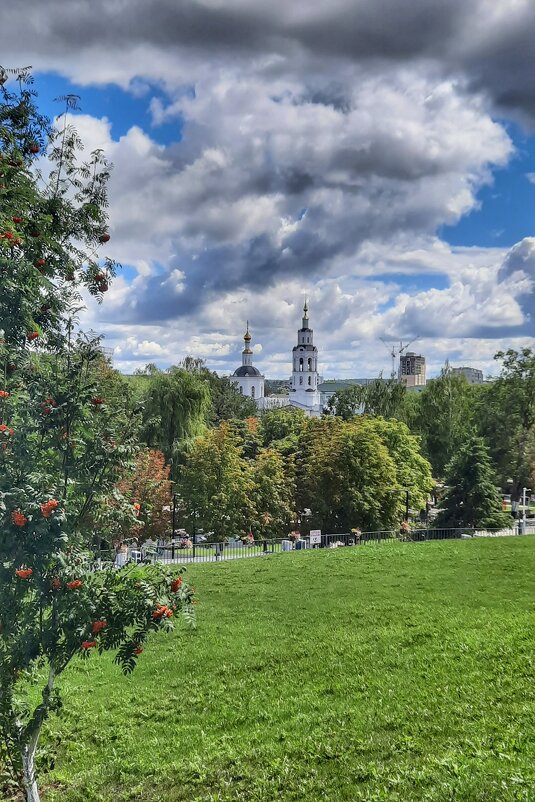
(391, 672)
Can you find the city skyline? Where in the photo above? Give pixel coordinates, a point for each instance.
(383, 162)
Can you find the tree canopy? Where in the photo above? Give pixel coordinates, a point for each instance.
(63, 446)
(471, 498)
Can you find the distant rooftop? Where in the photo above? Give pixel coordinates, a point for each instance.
(333, 385)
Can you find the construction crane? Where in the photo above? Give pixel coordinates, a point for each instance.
(396, 351)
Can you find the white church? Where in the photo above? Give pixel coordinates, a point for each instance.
(304, 392)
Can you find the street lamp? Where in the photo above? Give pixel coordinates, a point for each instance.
(403, 490)
(524, 491)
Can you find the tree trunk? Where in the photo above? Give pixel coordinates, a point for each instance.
(28, 766)
(30, 746)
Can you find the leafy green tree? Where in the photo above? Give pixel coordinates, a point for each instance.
(412, 468)
(347, 476)
(384, 398)
(62, 446)
(352, 473)
(272, 495)
(472, 499)
(505, 417)
(249, 436)
(445, 418)
(280, 428)
(379, 397)
(348, 402)
(227, 401)
(216, 484)
(176, 407)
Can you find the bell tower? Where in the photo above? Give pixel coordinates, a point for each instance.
(304, 391)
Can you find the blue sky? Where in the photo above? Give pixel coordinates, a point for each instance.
(506, 207)
(123, 108)
(380, 160)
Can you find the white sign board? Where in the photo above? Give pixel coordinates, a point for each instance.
(315, 537)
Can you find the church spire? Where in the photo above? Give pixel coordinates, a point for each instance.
(247, 353)
(305, 314)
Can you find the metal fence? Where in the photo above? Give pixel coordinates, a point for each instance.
(236, 549)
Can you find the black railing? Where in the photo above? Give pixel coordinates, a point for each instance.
(237, 549)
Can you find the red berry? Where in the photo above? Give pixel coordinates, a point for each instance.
(33, 335)
(35, 234)
(17, 220)
(34, 148)
(39, 262)
(104, 237)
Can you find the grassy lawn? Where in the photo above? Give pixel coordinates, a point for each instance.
(391, 672)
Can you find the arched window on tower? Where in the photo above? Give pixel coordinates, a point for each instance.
(301, 363)
(310, 380)
(241, 389)
(252, 391)
(300, 380)
(309, 363)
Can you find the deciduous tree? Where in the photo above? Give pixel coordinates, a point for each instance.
(61, 445)
(444, 419)
(216, 484)
(176, 407)
(273, 495)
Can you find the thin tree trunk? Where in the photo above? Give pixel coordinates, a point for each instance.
(28, 767)
(29, 749)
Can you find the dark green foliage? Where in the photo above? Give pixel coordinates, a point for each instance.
(176, 406)
(445, 416)
(49, 236)
(380, 398)
(348, 402)
(226, 400)
(354, 474)
(216, 485)
(471, 498)
(273, 495)
(506, 418)
(346, 477)
(280, 428)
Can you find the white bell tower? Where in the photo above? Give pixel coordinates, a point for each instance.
(304, 391)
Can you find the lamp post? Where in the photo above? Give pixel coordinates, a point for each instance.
(403, 490)
(524, 491)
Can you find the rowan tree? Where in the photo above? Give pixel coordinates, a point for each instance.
(62, 445)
